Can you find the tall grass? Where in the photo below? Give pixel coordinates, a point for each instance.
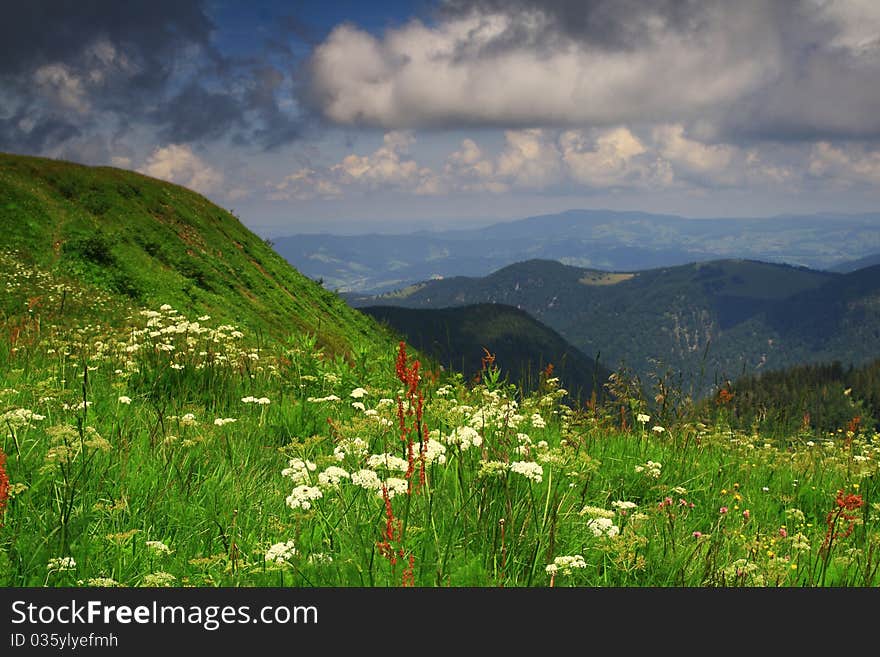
(147, 448)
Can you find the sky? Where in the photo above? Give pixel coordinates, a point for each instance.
(354, 117)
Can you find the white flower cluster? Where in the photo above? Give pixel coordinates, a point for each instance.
(596, 512)
(566, 565)
(262, 401)
(220, 421)
(464, 437)
(20, 417)
(622, 505)
(650, 468)
(328, 398)
(60, 564)
(603, 527)
(332, 477)
(538, 421)
(281, 553)
(367, 479)
(160, 578)
(529, 470)
(394, 486)
(158, 547)
(357, 393)
(302, 497)
(387, 461)
(298, 470)
(355, 447)
(435, 452)
(641, 418)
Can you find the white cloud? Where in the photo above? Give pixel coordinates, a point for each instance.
(713, 163)
(63, 87)
(529, 159)
(387, 168)
(611, 158)
(469, 170)
(845, 167)
(303, 185)
(454, 72)
(178, 164)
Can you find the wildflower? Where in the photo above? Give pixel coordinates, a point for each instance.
(603, 527)
(332, 476)
(387, 461)
(220, 421)
(320, 558)
(746, 514)
(160, 578)
(538, 421)
(623, 506)
(4, 484)
(102, 582)
(60, 564)
(302, 496)
(350, 446)
(359, 406)
(394, 486)
(464, 437)
(281, 553)
(357, 393)
(657, 429)
(642, 418)
(435, 451)
(722, 510)
(367, 479)
(158, 547)
(650, 468)
(783, 532)
(596, 512)
(697, 534)
(566, 565)
(528, 469)
(124, 400)
(328, 398)
(492, 469)
(298, 470)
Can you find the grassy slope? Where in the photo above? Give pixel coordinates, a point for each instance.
(151, 242)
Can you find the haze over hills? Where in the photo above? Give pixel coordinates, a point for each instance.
(860, 263)
(597, 239)
(704, 321)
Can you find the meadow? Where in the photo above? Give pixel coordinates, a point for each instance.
(144, 447)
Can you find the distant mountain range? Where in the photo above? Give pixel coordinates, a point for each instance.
(701, 322)
(522, 347)
(596, 239)
(852, 265)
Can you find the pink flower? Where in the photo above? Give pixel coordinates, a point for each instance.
(722, 510)
(783, 532)
(746, 514)
(698, 534)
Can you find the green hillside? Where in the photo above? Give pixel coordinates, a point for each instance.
(708, 321)
(458, 338)
(146, 243)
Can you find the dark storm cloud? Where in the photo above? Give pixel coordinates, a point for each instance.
(76, 67)
(196, 114)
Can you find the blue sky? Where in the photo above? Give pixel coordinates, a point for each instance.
(399, 116)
